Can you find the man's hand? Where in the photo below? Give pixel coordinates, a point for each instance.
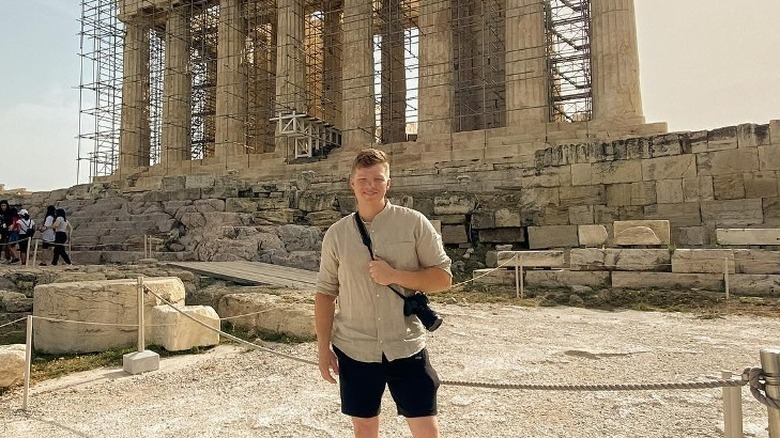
(328, 362)
(381, 272)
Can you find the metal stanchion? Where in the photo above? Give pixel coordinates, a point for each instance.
(145, 245)
(35, 252)
(28, 360)
(770, 363)
(517, 280)
(141, 339)
(726, 275)
(732, 409)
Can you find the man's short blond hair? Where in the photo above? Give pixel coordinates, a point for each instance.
(370, 157)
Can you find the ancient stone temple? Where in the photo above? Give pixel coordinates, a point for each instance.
(269, 88)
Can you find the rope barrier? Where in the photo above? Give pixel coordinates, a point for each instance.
(755, 376)
(104, 324)
(13, 322)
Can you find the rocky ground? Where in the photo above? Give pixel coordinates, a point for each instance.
(232, 392)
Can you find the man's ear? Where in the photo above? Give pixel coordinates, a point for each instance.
(389, 183)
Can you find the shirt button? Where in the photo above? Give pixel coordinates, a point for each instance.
(381, 342)
(378, 318)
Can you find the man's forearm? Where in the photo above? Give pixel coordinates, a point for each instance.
(324, 311)
(425, 280)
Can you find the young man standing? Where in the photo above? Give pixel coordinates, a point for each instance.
(373, 343)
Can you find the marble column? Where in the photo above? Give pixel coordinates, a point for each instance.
(177, 93)
(393, 73)
(526, 63)
(331, 87)
(617, 97)
(358, 73)
(230, 135)
(134, 137)
(290, 57)
(436, 79)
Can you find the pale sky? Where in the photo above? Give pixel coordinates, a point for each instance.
(704, 64)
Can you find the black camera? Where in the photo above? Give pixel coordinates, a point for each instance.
(417, 304)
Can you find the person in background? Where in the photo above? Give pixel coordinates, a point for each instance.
(13, 235)
(48, 232)
(26, 232)
(5, 221)
(60, 227)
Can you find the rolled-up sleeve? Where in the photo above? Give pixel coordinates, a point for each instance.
(328, 277)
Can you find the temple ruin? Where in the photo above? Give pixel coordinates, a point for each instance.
(270, 89)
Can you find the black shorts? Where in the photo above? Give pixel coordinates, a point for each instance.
(412, 381)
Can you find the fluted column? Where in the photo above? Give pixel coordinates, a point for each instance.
(230, 136)
(134, 137)
(290, 57)
(436, 69)
(358, 74)
(331, 86)
(393, 73)
(526, 63)
(615, 62)
(177, 93)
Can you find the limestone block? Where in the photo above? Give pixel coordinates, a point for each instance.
(200, 181)
(581, 214)
(537, 197)
(323, 219)
(15, 302)
(748, 236)
(554, 236)
(725, 162)
(140, 362)
(642, 232)
(277, 216)
(730, 186)
(271, 203)
(173, 183)
(240, 205)
(681, 166)
(502, 235)
(769, 156)
(106, 302)
(592, 235)
(436, 225)
(315, 201)
(698, 188)
(692, 236)
(532, 259)
(270, 313)
(491, 258)
(679, 215)
(483, 220)
(454, 234)
(669, 191)
(638, 193)
(750, 135)
(585, 195)
(12, 365)
(617, 259)
(615, 172)
(755, 284)
(719, 139)
(757, 261)
(505, 217)
(742, 212)
(666, 280)
(453, 204)
(175, 332)
(565, 278)
(451, 219)
(488, 276)
(772, 212)
(703, 260)
(761, 184)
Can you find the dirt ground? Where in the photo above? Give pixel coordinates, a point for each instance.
(233, 392)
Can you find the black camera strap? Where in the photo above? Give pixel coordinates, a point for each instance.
(367, 241)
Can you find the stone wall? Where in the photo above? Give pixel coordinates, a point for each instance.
(699, 181)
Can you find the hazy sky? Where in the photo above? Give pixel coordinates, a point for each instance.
(704, 64)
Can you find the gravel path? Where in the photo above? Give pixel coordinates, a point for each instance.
(231, 392)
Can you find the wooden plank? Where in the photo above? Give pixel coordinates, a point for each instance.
(253, 273)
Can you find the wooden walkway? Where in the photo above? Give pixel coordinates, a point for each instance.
(252, 273)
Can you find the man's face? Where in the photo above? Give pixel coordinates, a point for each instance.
(3, 207)
(370, 184)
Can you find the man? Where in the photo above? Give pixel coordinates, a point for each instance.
(6, 220)
(373, 343)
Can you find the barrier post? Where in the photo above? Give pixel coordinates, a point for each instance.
(732, 409)
(517, 279)
(141, 340)
(770, 363)
(726, 275)
(35, 253)
(145, 240)
(27, 253)
(28, 361)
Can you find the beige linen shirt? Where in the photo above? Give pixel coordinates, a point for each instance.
(369, 319)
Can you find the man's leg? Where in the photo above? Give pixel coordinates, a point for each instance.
(424, 427)
(366, 427)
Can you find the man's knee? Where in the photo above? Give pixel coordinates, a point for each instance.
(366, 427)
(424, 427)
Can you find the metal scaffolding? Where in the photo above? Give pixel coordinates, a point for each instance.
(567, 25)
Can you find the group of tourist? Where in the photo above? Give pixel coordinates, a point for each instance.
(17, 230)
